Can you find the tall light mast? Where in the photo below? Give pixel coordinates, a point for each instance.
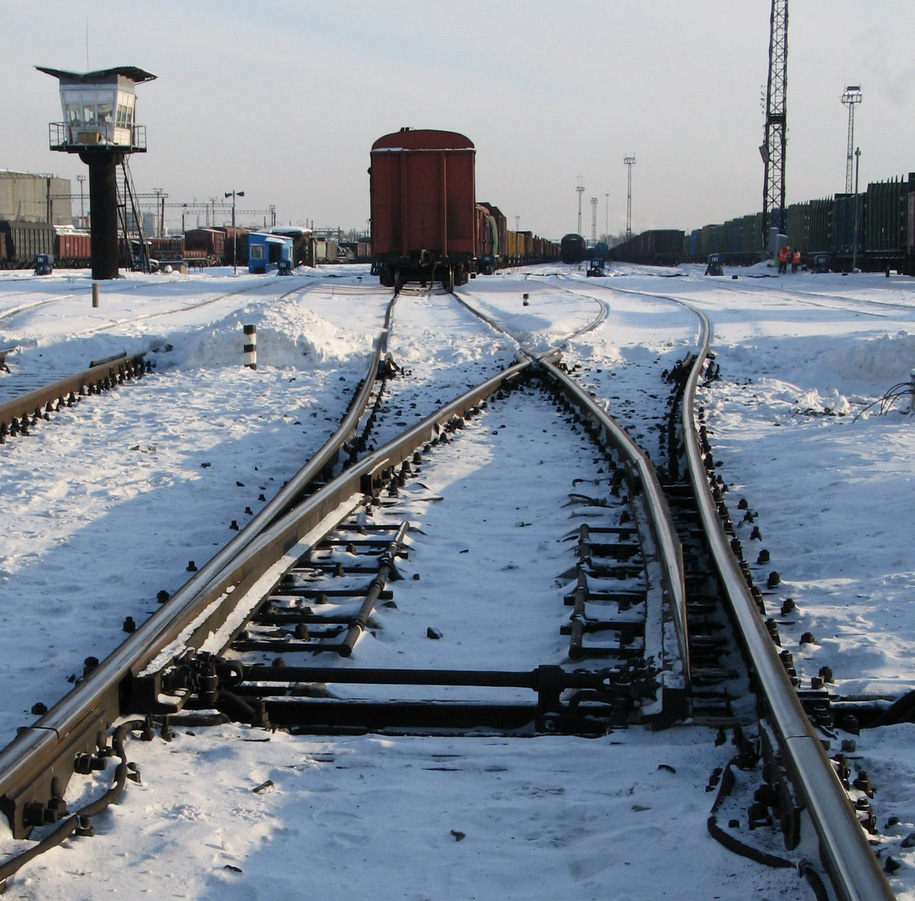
(581, 190)
(593, 220)
(630, 162)
(850, 98)
(773, 148)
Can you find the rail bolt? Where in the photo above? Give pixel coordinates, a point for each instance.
(33, 814)
(850, 724)
(863, 783)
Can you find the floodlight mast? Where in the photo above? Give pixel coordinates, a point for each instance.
(580, 190)
(850, 98)
(630, 162)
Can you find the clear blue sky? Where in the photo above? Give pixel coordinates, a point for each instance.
(283, 99)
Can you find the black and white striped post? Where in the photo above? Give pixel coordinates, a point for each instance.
(251, 346)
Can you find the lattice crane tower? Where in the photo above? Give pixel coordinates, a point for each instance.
(593, 220)
(773, 148)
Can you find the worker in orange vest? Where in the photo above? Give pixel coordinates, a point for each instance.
(783, 256)
(796, 261)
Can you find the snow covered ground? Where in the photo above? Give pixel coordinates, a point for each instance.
(108, 503)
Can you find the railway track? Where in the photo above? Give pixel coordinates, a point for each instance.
(282, 572)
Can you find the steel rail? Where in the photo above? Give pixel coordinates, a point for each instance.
(36, 402)
(42, 755)
(643, 480)
(845, 854)
(40, 760)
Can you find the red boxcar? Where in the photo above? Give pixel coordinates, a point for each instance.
(74, 248)
(205, 243)
(422, 186)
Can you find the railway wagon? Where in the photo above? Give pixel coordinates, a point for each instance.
(169, 249)
(72, 246)
(423, 207)
(205, 245)
(664, 247)
(572, 248)
(25, 240)
(492, 238)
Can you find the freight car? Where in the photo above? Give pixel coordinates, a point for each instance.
(873, 231)
(656, 247)
(492, 238)
(423, 207)
(572, 248)
(205, 246)
(21, 242)
(72, 247)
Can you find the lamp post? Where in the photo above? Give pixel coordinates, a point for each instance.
(854, 246)
(233, 195)
(82, 200)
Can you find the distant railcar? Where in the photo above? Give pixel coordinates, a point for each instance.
(72, 247)
(23, 241)
(302, 243)
(423, 207)
(572, 248)
(206, 246)
(168, 249)
(664, 247)
(491, 252)
(873, 230)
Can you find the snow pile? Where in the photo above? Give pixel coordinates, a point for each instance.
(288, 336)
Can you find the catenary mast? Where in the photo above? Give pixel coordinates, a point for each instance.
(773, 149)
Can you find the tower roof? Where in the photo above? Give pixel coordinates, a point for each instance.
(135, 74)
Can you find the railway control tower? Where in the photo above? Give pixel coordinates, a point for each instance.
(99, 110)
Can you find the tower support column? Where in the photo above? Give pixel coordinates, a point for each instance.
(103, 202)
